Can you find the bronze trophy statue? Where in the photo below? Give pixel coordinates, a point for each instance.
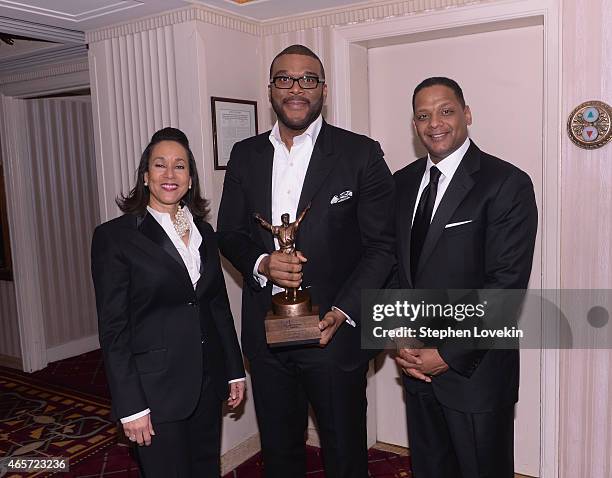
(293, 320)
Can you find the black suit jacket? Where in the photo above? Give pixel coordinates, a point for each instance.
(151, 321)
(349, 244)
(493, 251)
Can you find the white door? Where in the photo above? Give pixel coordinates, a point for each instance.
(501, 73)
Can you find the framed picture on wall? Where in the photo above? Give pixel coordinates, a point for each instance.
(6, 271)
(232, 121)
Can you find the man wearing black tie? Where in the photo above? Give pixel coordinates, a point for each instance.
(465, 220)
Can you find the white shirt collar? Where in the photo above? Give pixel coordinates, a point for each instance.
(164, 216)
(190, 254)
(449, 165)
(311, 132)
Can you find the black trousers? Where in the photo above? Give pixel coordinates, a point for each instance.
(187, 448)
(446, 443)
(284, 382)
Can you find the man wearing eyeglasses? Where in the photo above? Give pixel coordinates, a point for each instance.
(344, 244)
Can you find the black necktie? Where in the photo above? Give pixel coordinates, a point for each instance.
(422, 219)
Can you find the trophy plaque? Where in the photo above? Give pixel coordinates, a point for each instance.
(293, 319)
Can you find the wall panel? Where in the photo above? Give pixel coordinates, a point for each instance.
(586, 259)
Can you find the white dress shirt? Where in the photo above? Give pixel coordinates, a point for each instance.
(190, 254)
(447, 167)
(289, 168)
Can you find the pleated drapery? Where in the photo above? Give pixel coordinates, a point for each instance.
(66, 208)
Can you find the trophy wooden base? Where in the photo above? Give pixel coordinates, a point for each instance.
(292, 331)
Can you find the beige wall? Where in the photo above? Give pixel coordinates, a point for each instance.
(586, 255)
(231, 79)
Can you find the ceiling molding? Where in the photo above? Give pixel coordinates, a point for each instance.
(43, 32)
(195, 12)
(71, 17)
(50, 71)
(363, 12)
(28, 63)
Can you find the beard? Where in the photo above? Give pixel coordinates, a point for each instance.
(314, 111)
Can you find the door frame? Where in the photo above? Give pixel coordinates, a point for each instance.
(62, 68)
(350, 57)
(40, 80)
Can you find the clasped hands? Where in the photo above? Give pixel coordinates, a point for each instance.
(141, 430)
(420, 363)
(285, 270)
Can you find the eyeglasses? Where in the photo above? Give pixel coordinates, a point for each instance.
(306, 82)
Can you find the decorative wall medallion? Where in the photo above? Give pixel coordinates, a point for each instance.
(589, 125)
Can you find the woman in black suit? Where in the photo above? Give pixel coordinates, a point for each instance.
(165, 325)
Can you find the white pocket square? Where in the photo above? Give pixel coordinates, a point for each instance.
(454, 224)
(343, 196)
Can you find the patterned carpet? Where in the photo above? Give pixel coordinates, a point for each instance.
(78, 424)
(43, 421)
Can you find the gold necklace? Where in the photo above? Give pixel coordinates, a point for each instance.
(181, 222)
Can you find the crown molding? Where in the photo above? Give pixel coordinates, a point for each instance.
(43, 32)
(56, 70)
(42, 60)
(174, 17)
(363, 12)
(360, 13)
